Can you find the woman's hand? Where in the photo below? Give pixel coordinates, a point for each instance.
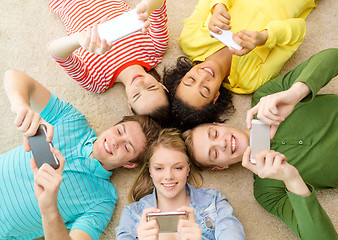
(148, 230)
(90, 40)
(28, 121)
(220, 19)
(188, 229)
(248, 40)
(142, 11)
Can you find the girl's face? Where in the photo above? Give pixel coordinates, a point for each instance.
(169, 170)
(145, 94)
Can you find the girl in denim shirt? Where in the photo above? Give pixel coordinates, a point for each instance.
(161, 186)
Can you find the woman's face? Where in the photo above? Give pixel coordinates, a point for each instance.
(145, 94)
(169, 170)
(200, 85)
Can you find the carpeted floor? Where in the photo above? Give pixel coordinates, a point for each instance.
(27, 26)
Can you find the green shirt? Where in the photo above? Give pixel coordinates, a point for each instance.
(308, 138)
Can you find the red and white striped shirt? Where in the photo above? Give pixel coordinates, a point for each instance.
(97, 73)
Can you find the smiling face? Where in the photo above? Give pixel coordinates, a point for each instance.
(120, 144)
(169, 170)
(218, 145)
(145, 94)
(200, 85)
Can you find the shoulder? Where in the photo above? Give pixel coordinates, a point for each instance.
(210, 196)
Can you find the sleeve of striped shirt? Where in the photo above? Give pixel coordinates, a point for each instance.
(78, 71)
(158, 30)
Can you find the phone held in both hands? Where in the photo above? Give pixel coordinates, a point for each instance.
(226, 38)
(120, 26)
(41, 148)
(167, 221)
(259, 138)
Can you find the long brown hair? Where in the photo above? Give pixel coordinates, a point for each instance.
(143, 184)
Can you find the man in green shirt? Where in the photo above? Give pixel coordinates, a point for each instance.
(303, 158)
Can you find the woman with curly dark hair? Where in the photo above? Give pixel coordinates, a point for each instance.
(273, 30)
(185, 116)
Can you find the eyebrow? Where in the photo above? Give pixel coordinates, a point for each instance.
(124, 130)
(151, 89)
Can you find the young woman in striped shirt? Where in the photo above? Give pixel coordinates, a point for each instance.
(96, 65)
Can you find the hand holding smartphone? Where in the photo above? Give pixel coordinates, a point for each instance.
(41, 148)
(167, 221)
(259, 138)
(226, 38)
(120, 26)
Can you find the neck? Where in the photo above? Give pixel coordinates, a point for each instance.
(172, 204)
(128, 73)
(224, 58)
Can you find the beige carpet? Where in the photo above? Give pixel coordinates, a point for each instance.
(27, 26)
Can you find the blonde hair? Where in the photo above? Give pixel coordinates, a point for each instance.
(143, 184)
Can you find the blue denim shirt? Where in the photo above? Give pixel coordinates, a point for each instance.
(213, 213)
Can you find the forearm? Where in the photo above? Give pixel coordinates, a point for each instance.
(63, 47)
(53, 225)
(300, 90)
(297, 186)
(286, 32)
(152, 5)
(22, 89)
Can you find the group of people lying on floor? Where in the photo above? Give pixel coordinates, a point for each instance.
(77, 200)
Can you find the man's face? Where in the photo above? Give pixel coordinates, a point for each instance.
(218, 145)
(200, 85)
(120, 144)
(145, 94)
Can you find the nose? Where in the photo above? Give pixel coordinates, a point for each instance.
(169, 174)
(222, 143)
(203, 75)
(140, 82)
(116, 142)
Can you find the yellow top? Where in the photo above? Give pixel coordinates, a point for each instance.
(284, 20)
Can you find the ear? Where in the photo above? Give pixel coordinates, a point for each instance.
(216, 97)
(130, 165)
(220, 168)
(164, 87)
(129, 105)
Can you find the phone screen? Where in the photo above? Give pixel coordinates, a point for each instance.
(167, 221)
(259, 138)
(41, 148)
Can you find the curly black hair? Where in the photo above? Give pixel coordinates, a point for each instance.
(186, 117)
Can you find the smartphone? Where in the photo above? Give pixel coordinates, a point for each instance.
(120, 26)
(259, 138)
(167, 221)
(41, 148)
(226, 38)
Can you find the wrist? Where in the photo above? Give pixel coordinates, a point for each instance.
(300, 90)
(296, 185)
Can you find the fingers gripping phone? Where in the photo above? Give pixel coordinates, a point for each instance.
(41, 148)
(259, 138)
(167, 221)
(120, 26)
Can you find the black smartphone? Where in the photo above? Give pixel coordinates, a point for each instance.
(41, 148)
(167, 221)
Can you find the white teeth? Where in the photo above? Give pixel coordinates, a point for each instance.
(233, 144)
(209, 71)
(106, 146)
(169, 185)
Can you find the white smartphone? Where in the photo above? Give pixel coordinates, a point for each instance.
(120, 26)
(167, 221)
(259, 138)
(226, 38)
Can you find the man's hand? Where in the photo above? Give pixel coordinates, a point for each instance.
(273, 109)
(90, 40)
(248, 40)
(188, 229)
(220, 18)
(148, 230)
(28, 122)
(47, 182)
(270, 164)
